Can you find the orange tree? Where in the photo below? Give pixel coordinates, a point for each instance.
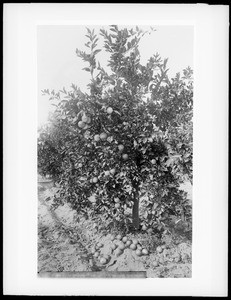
(50, 147)
(130, 135)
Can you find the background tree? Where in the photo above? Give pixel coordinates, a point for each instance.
(130, 135)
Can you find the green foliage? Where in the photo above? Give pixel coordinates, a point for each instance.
(136, 106)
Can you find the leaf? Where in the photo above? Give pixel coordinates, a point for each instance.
(169, 162)
(87, 69)
(165, 63)
(114, 26)
(155, 205)
(112, 29)
(88, 30)
(96, 51)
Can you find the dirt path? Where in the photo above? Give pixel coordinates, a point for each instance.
(59, 246)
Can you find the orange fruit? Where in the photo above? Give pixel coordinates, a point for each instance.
(128, 243)
(81, 124)
(96, 254)
(112, 171)
(133, 246)
(88, 120)
(124, 239)
(159, 249)
(84, 118)
(145, 251)
(117, 205)
(118, 252)
(121, 147)
(109, 110)
(112, 237)
(107, 173)
(113, 246)
(139, 247)
(121, 246)
(103, 136)
(110, 139)
(138, 252)
(144, 227)
(103, 261)
(97, 137)
(95, 179)
(125, 156)
(117, 200)
(135, 242)
(93, 201)
(119, 237)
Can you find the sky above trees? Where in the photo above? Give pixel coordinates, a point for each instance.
(59, 66)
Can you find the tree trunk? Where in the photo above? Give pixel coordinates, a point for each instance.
(135, 208)
(135, 213)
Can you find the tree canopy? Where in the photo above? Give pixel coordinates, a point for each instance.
(129, 135)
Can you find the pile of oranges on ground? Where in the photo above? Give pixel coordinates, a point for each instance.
(117, 245)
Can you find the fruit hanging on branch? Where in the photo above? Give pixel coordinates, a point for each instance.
(109, 110)
(121, 147)
(95, 180)
(81, 124)
(103, 136)
(112, 171)
(97, 137)
(125, 156)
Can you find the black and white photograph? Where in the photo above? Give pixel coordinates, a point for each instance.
(115, 150)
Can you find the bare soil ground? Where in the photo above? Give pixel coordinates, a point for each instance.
(65, 244)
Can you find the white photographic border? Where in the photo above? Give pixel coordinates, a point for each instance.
(210, 162)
